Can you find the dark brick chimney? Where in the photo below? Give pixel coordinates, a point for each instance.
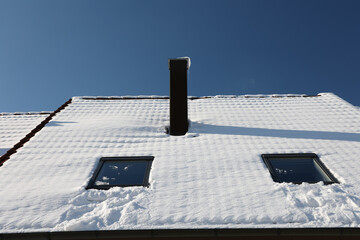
(178, 96)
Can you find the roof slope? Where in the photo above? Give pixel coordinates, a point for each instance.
(213, 177)
(14, 126)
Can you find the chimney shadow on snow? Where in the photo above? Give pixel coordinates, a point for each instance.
(264, 132)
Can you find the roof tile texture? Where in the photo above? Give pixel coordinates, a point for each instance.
(211, 177)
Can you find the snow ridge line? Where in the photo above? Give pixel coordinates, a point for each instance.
(196, 98)
(25, 113)
(21, 143)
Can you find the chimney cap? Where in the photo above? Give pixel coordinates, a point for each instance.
(187, 59)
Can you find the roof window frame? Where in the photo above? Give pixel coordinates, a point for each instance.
(145, 183)
(267, 160)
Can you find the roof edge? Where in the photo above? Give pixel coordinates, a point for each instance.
(25, 139)
(339, 98)
(141, 97)
(316, 233)
(24, 113)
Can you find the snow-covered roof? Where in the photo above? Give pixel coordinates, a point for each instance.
(212, 177)
(15, 126)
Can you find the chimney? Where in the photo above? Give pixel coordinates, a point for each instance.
(178, 96)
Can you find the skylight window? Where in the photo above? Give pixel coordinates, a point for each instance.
(297, 168)
(121, 172)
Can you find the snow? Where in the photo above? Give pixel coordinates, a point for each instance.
(187, 59)
(15, 126)
(213, 177)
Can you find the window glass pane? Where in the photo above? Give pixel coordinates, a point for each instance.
(298, 170)
(121, 173)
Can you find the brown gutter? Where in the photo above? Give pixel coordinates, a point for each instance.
(21, 143)
(199, 234)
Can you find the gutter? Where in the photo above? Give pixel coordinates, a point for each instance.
(245, 233)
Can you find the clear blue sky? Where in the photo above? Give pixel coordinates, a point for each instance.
(53, 50)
